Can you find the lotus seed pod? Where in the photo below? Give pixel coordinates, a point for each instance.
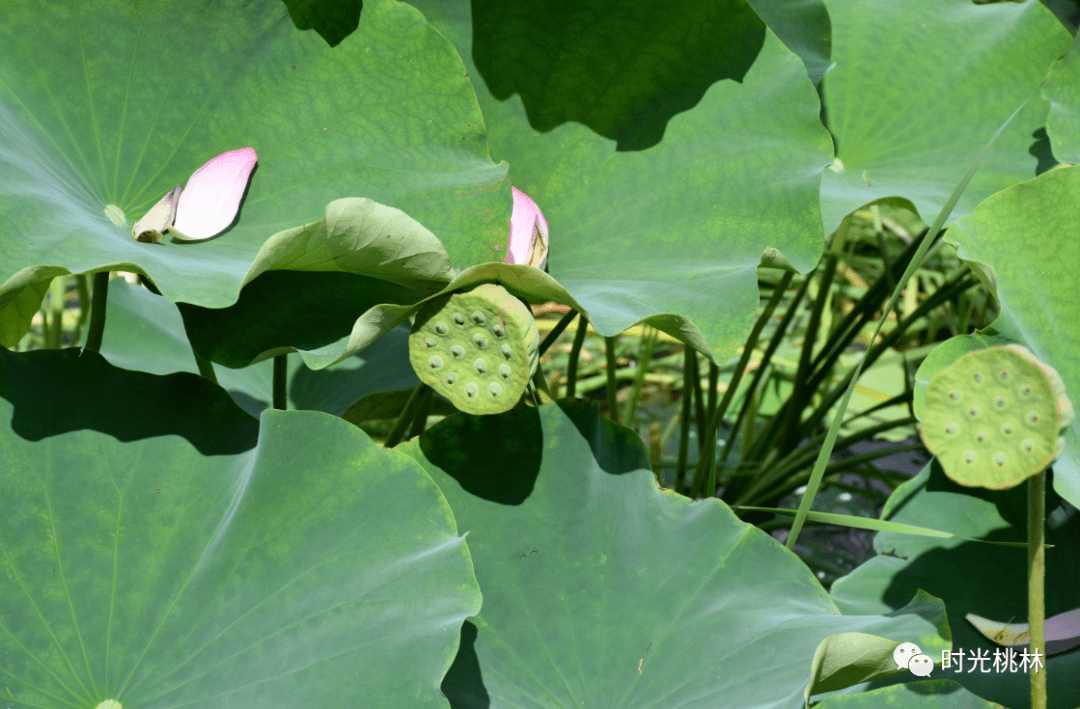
(994, 417)
(478, 349)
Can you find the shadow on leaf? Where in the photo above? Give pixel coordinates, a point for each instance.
(58, 391)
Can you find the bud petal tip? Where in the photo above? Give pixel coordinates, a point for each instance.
(528, 232)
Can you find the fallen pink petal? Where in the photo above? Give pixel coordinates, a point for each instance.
(528, 232)
(211, 198)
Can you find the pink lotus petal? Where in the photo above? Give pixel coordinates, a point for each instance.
(212, 195)
(528, 232)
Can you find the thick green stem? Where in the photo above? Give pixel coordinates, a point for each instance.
(648, 342)
(885, 260)
(420, 422)
(575, 353)
(540, 384)
(84, 308)
(556, 331)
(97, 312)
(206, 368)
(714, 379)
(54, 324)
(684, 422)
(699, 409)
(1036, 591)
(281, 400)
(406, 417)
(609, 354)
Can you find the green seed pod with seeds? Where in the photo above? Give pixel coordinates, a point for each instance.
(994, 417)
(478, 349)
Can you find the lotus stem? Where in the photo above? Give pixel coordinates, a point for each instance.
(684, 422)
(609, 354)
(97, 312)
(280, 397)
(575, 353)
(406, 417)
(549, 340)
(420, 422)
(54, 323)
(714, 380)
(206, 368)
(84, 308)
(1036, 590)
(699, 407)
(648, 343)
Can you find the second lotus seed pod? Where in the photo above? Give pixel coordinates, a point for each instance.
(994, 417)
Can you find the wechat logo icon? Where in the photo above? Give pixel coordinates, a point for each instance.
(908, 656)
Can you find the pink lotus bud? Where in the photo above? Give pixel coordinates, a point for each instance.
(528, 232)
(211, 198)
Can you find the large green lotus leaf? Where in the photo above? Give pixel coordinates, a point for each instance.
(623, 76)
(918, 89)
(145, 332)
(591, 572)
(162, 548)
(988, 580)
(1062, 90)
(114, 103)
(1024, 244)
(679, 229)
